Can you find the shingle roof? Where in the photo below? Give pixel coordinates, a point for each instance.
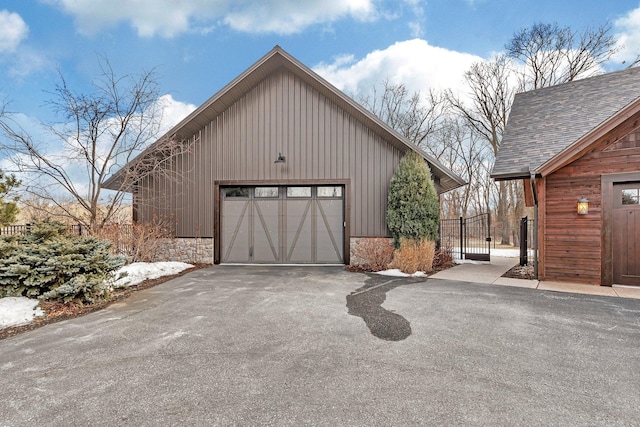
(545, 122)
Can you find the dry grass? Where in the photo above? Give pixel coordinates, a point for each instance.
(443, 258)
(414, 255)
(140, 242)
(373, 254)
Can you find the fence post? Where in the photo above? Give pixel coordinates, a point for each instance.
(524, 234)
(489, 237)
(461, 237)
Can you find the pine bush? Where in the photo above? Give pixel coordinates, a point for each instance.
(50, 263)
(413, 209)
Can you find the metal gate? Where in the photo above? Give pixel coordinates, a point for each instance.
(527, 228)
(468, 238)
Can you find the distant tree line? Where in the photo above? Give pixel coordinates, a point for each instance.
(464, 132)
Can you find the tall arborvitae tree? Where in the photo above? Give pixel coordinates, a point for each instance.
(413, 210)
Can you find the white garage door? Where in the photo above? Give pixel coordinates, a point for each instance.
(283, 225)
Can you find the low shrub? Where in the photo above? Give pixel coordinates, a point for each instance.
(50, 263)
(139, 242)
(443, 258)
(373, 254)
(414, 255)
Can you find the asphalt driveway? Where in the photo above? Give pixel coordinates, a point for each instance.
(321, 346)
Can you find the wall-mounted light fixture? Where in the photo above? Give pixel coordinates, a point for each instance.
(280, 159)
(583, 206)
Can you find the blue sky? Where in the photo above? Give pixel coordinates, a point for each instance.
(200, 45)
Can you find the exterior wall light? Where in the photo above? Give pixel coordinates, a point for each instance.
(583, 206)
(280, 159)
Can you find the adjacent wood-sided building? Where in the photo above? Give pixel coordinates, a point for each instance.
(285, 168)
(580, 140)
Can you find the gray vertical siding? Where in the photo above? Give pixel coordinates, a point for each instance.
(281, 114)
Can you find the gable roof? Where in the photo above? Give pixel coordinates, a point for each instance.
(276, 59)
(548, 128)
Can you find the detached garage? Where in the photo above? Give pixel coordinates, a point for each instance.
(282, 168)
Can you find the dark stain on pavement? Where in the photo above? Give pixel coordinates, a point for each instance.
(366, 303)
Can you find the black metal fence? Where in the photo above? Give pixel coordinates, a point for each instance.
(527, 231)
(25, 228)
(122, 236)
(10, 230)
(469, 238)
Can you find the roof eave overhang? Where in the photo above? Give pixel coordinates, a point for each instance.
(511, 176)
(275, 59)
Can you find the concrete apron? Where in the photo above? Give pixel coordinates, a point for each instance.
(491, 273)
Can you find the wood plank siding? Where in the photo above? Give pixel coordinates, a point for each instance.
(573, 246)
(281, 114)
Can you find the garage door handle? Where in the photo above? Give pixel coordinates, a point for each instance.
(251, 252)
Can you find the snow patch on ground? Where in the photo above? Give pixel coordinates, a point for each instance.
(502, 253)
(397, 273)
(15, 311)
(138, 272)
(506, 253)
(470, 261)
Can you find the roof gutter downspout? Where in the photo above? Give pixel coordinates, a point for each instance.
(534, 192)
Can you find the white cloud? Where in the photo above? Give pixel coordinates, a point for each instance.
(172, 112)
(26, 62)
(292, 16)
(12, 31)
(416, 25)
(415, 63)
(170, 18)
(628, 28)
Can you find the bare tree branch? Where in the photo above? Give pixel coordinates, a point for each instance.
(552, 54)
(408, 113)
(99, 132)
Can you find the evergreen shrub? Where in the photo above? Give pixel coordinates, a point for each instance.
(413, 209)
(50, 263)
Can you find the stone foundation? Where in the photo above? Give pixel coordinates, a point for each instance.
(200, 250)
(194, 250)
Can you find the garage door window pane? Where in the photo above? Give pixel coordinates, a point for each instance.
(631, 196)
(266, 192)
(298, 191)
(232, 192)
(334, 191)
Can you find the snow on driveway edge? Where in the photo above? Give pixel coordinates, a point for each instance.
(16, 311)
